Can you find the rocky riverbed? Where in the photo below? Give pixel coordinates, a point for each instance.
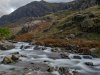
(27, 59)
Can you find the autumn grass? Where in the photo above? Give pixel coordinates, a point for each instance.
(65, 43)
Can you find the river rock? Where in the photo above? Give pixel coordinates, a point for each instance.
(7, 60)
(75, 73)
(64, 71)
(14, 58)
(50, 69)
(37, 48)
(5, 45)
(44, 48)
(54, 49)
(10, 59)
(63, 55)
(15, 53)
(88, 63)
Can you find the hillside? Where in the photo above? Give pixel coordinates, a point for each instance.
(84, 24)
(42, 8)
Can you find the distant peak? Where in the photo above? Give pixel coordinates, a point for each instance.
(43, 0)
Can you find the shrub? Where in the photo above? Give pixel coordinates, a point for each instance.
(5, 33)
(78, 18)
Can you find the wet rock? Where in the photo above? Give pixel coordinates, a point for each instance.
(27, 47)
(22, 47)
(37, 48)
(15, 53)
(7, 60)
(12, 69)
(64, 56)
(32, 63)
(50, 69)
(44, 48)
(26, 69)
(23, 56)
(88, 63)
(75, 73)
(14, 58)
(10, 59)
(64, 71)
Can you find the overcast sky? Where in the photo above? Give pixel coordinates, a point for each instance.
(8, 6)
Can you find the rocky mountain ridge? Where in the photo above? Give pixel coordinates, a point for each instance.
(42, 8)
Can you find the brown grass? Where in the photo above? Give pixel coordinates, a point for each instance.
(64, 42)
(24, 37)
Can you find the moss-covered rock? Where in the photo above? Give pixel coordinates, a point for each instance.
(7, 60)
(10, 59)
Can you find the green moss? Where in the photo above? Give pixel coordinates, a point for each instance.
(92, 36)
(89, 36)
(5, 32)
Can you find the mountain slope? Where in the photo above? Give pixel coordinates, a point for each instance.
(82, 24)
(38, 9)
(34, 9)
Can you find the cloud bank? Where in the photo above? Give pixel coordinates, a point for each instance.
(8, 6)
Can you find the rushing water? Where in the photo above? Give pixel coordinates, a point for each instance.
(39, 56)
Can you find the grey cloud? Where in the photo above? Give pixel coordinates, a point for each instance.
(7, 6)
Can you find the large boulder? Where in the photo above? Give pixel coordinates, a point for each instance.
(7, 60)
(10, 59)
(5, 45)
